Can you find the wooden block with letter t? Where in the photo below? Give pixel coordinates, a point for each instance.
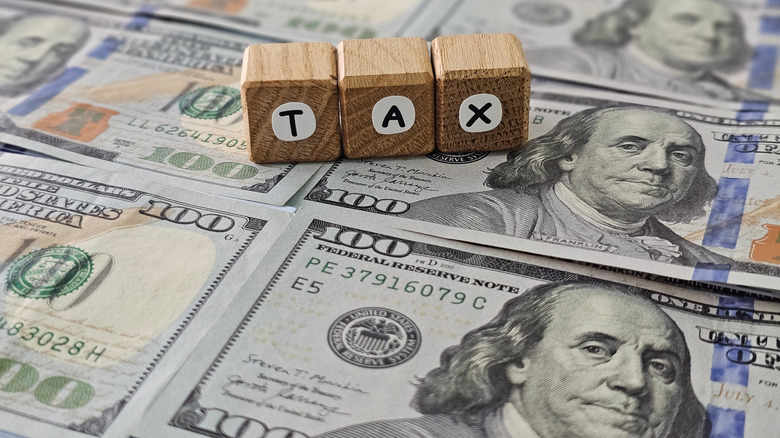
(482, 92)
(386, 94)
(289, 94)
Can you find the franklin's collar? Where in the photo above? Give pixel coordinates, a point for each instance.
(589, 214)
(636, 52)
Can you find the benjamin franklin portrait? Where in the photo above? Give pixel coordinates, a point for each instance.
(562, 360)
(680, 46)
(35, 48)
(604, 179)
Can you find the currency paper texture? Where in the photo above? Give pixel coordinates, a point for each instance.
(107, 285)
(295, 20)
(720, 53)
(616, 180)
(352, 331)
(136, 92)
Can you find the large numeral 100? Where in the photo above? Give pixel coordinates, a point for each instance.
(57, 391)
(360, 240)
(359, 200)
(217, 422)
(200, 162)
(187, 216)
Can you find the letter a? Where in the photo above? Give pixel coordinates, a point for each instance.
(394, 114)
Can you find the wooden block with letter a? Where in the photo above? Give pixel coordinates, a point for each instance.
(386, 94)
(289, 94)
(482, 92)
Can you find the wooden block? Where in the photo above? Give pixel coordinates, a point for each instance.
(386, 95)
(483, 87)
(289, 94)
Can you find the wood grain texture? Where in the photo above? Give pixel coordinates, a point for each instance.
(466, 65)
(274, 74)
(370, 70)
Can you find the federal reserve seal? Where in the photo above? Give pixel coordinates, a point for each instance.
(464, 158)
(49, 272)
(374, 337)
(211, 103)
(542, 12)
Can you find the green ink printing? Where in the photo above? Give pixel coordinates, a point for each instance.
(211, 103)
(49, 272)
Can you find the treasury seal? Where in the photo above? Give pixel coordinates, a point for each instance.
(374, 337)
(49, 272)
(463, 158)
(211, 103)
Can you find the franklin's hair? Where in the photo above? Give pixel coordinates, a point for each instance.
(535, 166)
(471, 382)
(612, 28)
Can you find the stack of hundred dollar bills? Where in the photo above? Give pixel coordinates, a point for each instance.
(616, 276)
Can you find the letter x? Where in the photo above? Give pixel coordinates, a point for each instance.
(479, 113)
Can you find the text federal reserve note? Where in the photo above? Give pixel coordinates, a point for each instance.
(107, 284)
(721, 53)
(351, 331)
(616, 180)
(134, 92)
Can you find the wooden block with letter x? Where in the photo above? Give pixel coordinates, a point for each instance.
(386, 94)
(482, 92)
(289, 94)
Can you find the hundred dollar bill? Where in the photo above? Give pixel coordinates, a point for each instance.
(134, 92)
(721, 53)
(680, 191)
(107, 285)
(355, 331)
(299, 20)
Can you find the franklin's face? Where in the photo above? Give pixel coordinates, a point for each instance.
(34, 47)
(689, 35)
(608, 366)
(636, 163)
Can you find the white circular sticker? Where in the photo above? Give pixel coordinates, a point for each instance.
(393, 115)
(293, 121)
(480, 113)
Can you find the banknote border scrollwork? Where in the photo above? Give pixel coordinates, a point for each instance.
(97, 426)
(191, 412)
(324, 179)
(320, 191)
(268, 184)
